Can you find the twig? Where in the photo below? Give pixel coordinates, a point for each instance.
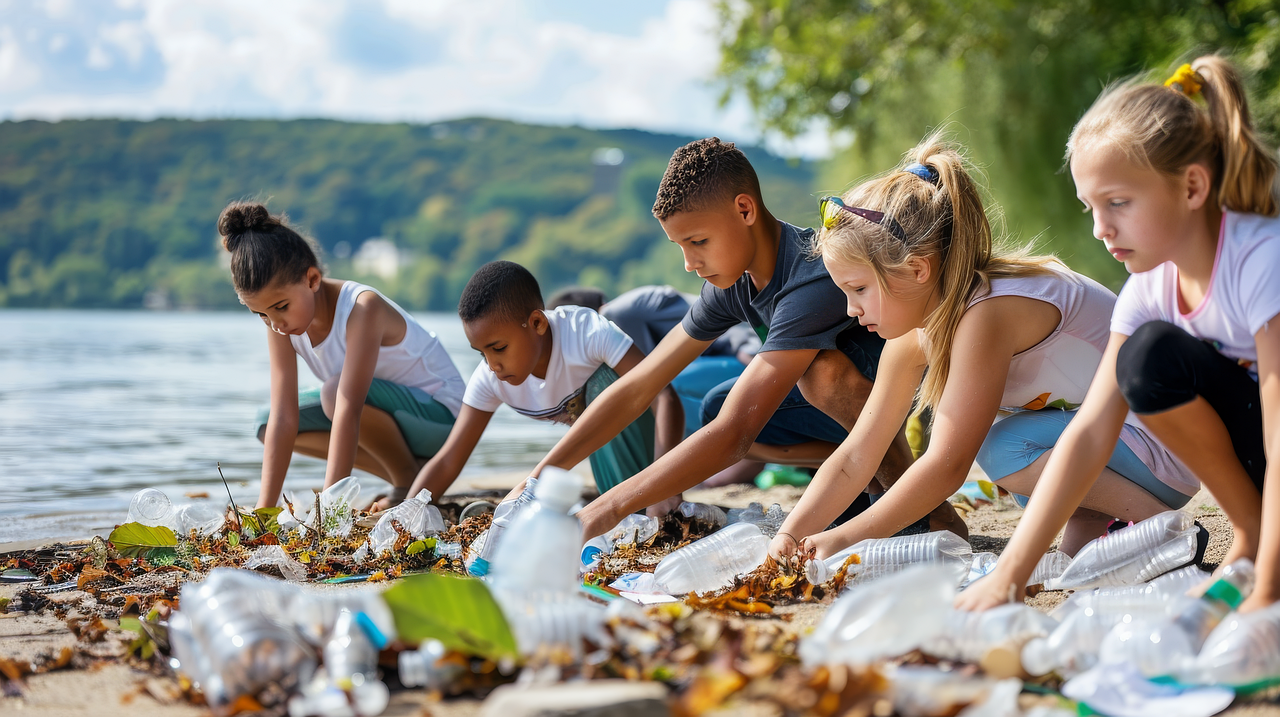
(233, 500)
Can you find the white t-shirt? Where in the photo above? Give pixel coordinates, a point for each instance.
(1056, 372)
(418, 361)
(1243, 294)
(581, 341)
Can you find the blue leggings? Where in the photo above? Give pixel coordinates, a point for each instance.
(1017, 441)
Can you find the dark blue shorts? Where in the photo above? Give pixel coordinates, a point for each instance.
(795, 421)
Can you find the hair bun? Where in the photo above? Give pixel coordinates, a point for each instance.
(241, 217)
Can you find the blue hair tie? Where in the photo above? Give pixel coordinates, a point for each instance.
(925, 172)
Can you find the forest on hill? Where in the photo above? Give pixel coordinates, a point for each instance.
(114, 213)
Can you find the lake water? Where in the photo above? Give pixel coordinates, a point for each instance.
(95, 405)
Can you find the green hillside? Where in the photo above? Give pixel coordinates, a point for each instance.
(107, 213)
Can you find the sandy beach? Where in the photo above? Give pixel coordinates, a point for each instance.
(113, 688)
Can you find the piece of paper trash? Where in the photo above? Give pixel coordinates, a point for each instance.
(1120, 689)
(647, 598)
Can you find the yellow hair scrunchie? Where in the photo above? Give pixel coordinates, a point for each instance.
(1186, 80)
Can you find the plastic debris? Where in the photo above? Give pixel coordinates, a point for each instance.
(713, 562)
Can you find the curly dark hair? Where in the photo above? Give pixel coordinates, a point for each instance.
(264, 248)
(702, 172)
(503, 288)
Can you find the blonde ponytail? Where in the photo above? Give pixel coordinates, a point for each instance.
(1162, 127)
(945, 220)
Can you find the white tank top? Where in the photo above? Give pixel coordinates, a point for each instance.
(418, 361)
(1056, 372)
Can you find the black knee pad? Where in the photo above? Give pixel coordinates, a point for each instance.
(1154, 368)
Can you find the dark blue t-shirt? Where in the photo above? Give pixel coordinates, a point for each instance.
(800, 308)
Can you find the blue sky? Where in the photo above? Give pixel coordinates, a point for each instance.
(646, 64)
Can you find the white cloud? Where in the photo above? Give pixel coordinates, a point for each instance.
(412, 60)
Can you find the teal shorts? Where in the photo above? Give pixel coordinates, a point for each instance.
(424, 422)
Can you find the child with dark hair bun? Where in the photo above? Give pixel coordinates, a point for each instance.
(390, 392)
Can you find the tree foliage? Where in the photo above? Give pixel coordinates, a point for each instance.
(1009, 78)
(102, 212)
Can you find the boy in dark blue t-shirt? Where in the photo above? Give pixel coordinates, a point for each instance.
(757, 269)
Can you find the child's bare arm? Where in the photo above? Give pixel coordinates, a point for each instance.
(365, 328)
(1267, 590)
(624, 401)
(282, 424)
(1074, 466)
(718, 445)
(442, 470)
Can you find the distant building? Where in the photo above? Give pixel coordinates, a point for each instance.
(608, 162)
(377, 257)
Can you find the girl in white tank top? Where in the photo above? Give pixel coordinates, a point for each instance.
(390, 392)
(998, 335)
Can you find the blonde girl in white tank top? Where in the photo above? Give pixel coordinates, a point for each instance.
(353, 339)
(912, 250)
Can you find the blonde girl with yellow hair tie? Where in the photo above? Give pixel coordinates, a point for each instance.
(1001, 345)
(1182, 191)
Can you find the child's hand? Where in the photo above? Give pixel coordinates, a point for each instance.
(783, 546)
(987, 592)
(595, 519)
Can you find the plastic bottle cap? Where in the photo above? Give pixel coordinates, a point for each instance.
(1224, 591)
(479, 567)
(371, 630)
(558, 486)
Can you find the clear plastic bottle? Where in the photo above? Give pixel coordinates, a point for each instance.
(884, 618)
(1167, 646)
(422, 667)
(415, 515)
(1169, 585)
(150, 506)
(200, 517)
(1243, 651)
(704, 513)
(351, 686)
(1073, 645)
(1051, 566)
(1132, 555)
(714, 561)
(632, 530)
(539, 552)
(882, 556)
(502, 517)
(968, 636)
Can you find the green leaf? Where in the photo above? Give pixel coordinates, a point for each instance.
(132, 624)
(416, 547)
(268, 519)
(457, 611)
(233, 539)
(135, 539)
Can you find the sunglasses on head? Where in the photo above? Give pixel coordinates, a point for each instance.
(830, 208)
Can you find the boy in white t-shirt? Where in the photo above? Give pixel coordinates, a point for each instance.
(545, 364)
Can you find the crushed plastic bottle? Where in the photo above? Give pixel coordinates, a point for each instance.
(882, 618)
(1166, 646)
(237, 631)
(1073, 645)
(1170, 585)
(502, 517)
(704, 513)
(970, 636)
(768, 521)
(1242, 652)
(423, 667)
(635, 529)
(884, 556)
(349, 685)
(929, 690)
(1050, 567)
(274, 556)
(1132, 555)
(416, 516)
(713, 562)
(150, 506)
(336, 509)
(203, 518)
